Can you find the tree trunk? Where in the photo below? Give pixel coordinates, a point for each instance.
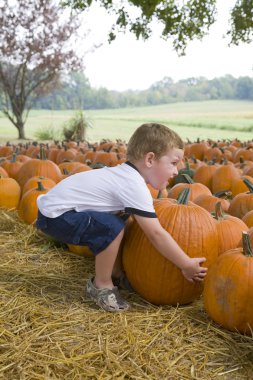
(21, 130)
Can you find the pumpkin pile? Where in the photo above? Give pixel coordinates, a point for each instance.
(26, 171)
(206, 208)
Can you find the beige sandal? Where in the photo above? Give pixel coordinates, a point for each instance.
(107, 299)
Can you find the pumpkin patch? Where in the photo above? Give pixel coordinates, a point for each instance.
(43, 302)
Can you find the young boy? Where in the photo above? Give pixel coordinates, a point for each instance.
(90, 208)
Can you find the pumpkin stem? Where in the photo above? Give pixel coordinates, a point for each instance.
(248, 184)
(247, 248)
(42, 155)
(40, 186)
(225, 194)
(219, 214)
(183, 197)
(194, 159)
(187, 178)
(241, 160)
(159, 195)
(14, 157)
(65, 171)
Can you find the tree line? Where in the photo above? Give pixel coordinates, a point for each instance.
(75, 92)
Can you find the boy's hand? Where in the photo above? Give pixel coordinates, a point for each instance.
(193, 271)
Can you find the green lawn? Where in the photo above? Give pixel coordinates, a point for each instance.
(212, 119)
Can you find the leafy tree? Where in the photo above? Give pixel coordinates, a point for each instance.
(35, 48)
(242, 22)
(181, 20)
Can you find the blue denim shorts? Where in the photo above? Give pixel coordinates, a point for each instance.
(95, 229)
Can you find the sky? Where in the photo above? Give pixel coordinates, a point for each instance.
(128, 63)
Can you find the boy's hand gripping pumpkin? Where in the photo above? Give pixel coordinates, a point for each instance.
(192, 271)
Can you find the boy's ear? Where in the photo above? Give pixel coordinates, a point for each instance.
(149, 159)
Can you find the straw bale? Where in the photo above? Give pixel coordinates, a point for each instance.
(49, 330)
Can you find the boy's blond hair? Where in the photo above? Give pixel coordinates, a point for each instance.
(152, 137)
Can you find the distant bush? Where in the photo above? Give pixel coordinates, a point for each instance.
(75, 128)
(48, 133)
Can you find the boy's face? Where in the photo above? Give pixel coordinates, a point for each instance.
(164, 168)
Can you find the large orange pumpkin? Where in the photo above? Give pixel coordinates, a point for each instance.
(228, 292)
(154, 277)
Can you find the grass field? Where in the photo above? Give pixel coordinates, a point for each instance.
(211, 119)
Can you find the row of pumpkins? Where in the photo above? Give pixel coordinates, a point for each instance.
(207, 208)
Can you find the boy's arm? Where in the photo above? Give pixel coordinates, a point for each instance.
(169, 248)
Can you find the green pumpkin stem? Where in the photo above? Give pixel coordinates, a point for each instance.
(187, 178)
(247, 248)
(248, 184)
(65, 171)
(40, 186)
(14, 157)
(225, 194)
(183, 197)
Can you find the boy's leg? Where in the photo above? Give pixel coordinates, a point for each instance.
(104, 264)
(102, 289)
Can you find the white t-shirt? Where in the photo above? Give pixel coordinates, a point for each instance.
(110, 189)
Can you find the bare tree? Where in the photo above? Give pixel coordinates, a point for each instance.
(35, 48)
